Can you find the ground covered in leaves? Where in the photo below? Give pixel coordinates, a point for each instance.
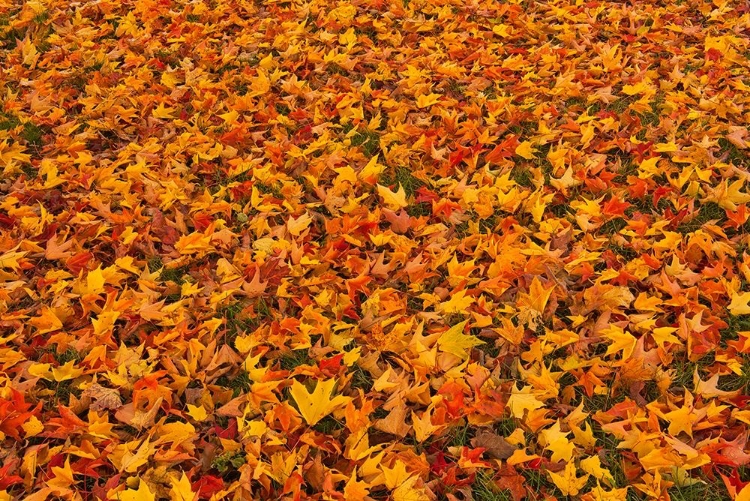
(399, 250)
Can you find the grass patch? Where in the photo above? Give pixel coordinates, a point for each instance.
(228, 461)
(735, 324)
(239, 384)
(154, 264)
(620, 105)
(485, 489)
(267, 189)
(735, 382)
(68, 355)
(538, 482)
(626, 253)
(734, 155)
(523, 177)
(8, 37)
(328, 425)
(33, 134)
(460, 435)
(652, 118)
(294, 359)
(176, 275)
(419, 209)
(456, 87)
(8, 122)
(710, 491)
(505, 426)
(235, 320)
(613, 226)
(402, 176)
(361, 379)
(368, 140)
(709, 211)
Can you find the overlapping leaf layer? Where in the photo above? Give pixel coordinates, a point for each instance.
(374, 249)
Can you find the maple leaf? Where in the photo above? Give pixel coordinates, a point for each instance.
(354, 489)
(522, 400)
(129, 457)
(393, 200)
(458, 303)
(739, 303)
(66, 372)
(567, 482)
(46, 322)
(181, 489)
(709, 389)
(63, 477)
(143, 493)
(12, 260)
(409, 490)
(318, 404)
(494, 445)
(454, 341)
(427, 100)
(593, 466)
(534, 303)
(600, 494)
(395, 422)
(525, 150)
(622, 341)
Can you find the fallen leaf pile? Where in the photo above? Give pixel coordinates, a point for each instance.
(405, 250)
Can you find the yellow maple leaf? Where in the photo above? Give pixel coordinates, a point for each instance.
(639, 88)
(142, 494)
(318, 404)
(502, 30)
(181, 489)
(522, 400)
(423, 427)
(193, 243)
(393, 200)
(94, 282)
(297, 225)
(33, 427)
(162, 112)
(557, 442)
(454, 341)
(533, 303)
(128, 457)
(538, 295)
(458, 303)
(370, 172)
(662, 335)
(66, 372)
(197, 412)
(525, 150)
(260, 84)
(728, 196)
(354, 490)
(63, 477)
(567, 482)
(709, 389)
(11, 260)
(408, 491)
(46, 322)
(593, 466)
(599, 494)
(739, 304)
(425, 101)
(621, 341)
